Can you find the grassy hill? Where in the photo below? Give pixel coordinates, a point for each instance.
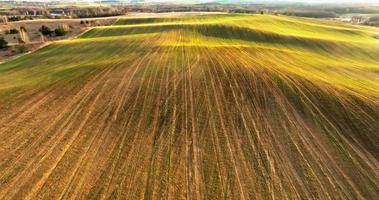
(195, 107)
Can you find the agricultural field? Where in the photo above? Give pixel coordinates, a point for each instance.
(195, 107)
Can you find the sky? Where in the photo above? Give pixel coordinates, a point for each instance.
(237, 1)
(273, 1)
(303, 1)
(336, 1)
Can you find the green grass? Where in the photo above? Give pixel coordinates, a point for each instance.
(213, 107)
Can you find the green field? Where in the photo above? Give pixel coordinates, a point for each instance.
(195, 107)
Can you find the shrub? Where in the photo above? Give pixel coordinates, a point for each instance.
(13, 31)
(45, 30)
(3, 43)
(14, 18)
(22, 48)
(28, 17)
(60, 31)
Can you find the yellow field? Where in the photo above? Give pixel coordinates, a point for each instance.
(195, 107)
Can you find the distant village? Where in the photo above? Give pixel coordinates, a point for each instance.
(25, 13)
(24, 29)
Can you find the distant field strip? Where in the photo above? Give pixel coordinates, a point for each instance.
(195, 107)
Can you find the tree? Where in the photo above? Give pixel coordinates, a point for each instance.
(3, 43)
(45, 30)
(60, 31)
(21, 41)
(13, 31)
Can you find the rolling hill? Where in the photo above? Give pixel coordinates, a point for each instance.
(195, 107)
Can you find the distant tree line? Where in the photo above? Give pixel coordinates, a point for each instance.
(93, 15)
(19, 18)
(347, 10)
(11, 31)
(373, 21)
(311, 14)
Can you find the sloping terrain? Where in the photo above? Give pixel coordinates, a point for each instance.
(195, 107)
